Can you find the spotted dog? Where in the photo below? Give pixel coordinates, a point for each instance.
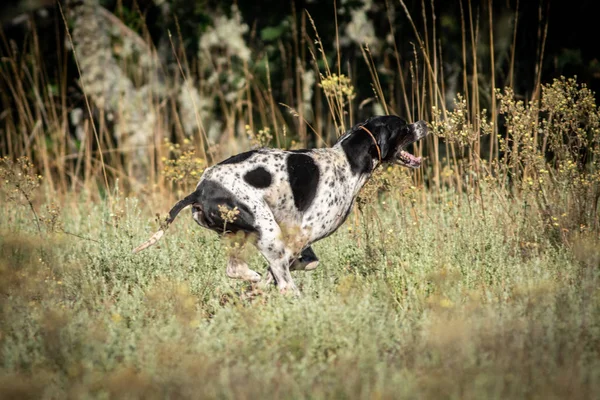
(291, 199)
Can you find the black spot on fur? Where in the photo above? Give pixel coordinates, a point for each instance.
(238, 158)
(304, 179)
(259, 178)
(210, 195)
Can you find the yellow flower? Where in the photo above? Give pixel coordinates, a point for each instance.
(446, 303)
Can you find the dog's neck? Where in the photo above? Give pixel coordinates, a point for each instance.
(361, 150)
(358, 153)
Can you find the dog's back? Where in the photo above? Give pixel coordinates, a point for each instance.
(311, 190)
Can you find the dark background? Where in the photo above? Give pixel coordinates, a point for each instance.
(570, 48)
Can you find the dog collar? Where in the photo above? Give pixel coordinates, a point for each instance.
(374, 141)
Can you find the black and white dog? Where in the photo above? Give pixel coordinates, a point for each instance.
(291, 199)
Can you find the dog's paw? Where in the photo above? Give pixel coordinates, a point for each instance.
(251, 276)
(300, 265)
(290, 292)
(311, 265)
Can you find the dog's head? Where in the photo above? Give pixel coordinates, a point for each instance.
(393, 135)
(381, 139)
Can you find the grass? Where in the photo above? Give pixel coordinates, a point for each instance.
(476, 276)
(440, 301)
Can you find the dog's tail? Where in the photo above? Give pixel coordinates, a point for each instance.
(180, 205)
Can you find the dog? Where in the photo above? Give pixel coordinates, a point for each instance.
(291, 199)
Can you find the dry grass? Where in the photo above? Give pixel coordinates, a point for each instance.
(431, 300)
(473, 277)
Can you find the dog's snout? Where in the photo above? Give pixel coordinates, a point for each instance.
(420, 129)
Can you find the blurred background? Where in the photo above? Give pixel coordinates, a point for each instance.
(96, 90)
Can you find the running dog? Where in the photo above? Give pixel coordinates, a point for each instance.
(310, 193)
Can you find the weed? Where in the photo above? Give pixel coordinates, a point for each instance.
(20, 182)
(228, 215)
(262, 138)
(184, 169)
(449, 307)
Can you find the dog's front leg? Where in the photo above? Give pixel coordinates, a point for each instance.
(280, 272)
(278, 257)
(307, 261)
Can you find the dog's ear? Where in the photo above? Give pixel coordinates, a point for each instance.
(382, 135)
(388, 128)
(385, 140)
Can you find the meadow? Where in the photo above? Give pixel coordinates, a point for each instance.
(430, 300)
(474, 277)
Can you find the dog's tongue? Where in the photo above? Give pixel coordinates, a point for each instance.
(410, 159)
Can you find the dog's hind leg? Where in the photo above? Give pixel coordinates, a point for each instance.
(238, 269)
(307, 261)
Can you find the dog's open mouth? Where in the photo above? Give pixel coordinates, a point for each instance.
(414, 133)
(406, 159)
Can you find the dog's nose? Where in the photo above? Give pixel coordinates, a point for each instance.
(420, 129)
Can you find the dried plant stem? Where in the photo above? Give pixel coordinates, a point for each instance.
(203, 137)
(87, 102)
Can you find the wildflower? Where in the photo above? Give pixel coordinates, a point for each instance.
(338, 87)
(446, 303)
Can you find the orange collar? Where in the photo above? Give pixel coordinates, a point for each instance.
(374, 141)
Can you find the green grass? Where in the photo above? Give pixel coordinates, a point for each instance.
(437, 301)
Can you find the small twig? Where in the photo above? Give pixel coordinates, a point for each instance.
(302, 119)
(79, 236)
(37, 219)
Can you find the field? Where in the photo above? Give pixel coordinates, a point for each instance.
(475, 276)
(427, 300)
